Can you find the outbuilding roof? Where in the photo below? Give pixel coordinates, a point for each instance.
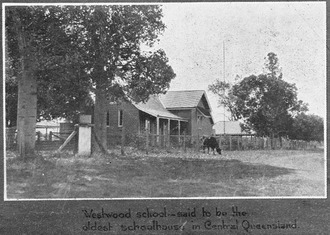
(228, 127)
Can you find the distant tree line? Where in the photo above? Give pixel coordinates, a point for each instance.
(268, 105)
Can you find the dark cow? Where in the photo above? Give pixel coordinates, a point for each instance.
(211, 142)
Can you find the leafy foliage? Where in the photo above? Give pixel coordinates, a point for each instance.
(266, 103)
(111, 38)
(62, 84)
(271, 66)
(155, 66)
(226, 97)
(65, 95)
(307, 127)
(78, 47)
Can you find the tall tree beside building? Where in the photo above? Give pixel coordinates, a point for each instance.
(22, 40)
(112, 37)
(40, 59)
(64, 53)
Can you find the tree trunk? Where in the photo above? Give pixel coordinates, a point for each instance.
(100, 117)
(27, 95)
(99, 76)
(272, 141)
(26, 113)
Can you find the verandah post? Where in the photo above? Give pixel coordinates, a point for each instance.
(157, 131)
(122, 141)
(147, 139)
(168, 133)
(179, 137)
(197, 143)
(184, 141)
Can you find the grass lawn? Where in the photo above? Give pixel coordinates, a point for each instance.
(274, 173)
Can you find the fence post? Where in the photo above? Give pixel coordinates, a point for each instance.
(238, 143)
(168, 133)
(243, 143)
(256, 141)
(122, 141)
(184, 142)
(38, 134)
(230, 143)
(220, 145)
(147, 140)
(197, 145)
(164, 140)
(50, 135)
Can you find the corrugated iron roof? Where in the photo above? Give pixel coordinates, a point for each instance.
(181, 99)
(155, 108)
(230, 127)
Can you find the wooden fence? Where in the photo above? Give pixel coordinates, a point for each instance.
(47, 141)
(145, 141)
(11, 137)
(231, 143)
(226, 143)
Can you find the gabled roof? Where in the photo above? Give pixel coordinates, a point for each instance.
(182, 99)
(187, 99)
(155, 108)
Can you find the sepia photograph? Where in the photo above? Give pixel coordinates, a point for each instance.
(218, 100)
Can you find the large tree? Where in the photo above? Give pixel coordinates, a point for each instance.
(266, 103)
(21, 31)
(63, 54)
(111, 38)
(40, 62)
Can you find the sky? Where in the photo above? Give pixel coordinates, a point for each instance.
(199, 35)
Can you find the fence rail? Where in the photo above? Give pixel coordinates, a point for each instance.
(45, 140)
(231, 143)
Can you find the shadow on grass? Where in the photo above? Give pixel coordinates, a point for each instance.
(147, 177)
(175, 177)
(209, 170)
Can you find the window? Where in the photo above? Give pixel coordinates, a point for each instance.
(120, 118)
(147, 125)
